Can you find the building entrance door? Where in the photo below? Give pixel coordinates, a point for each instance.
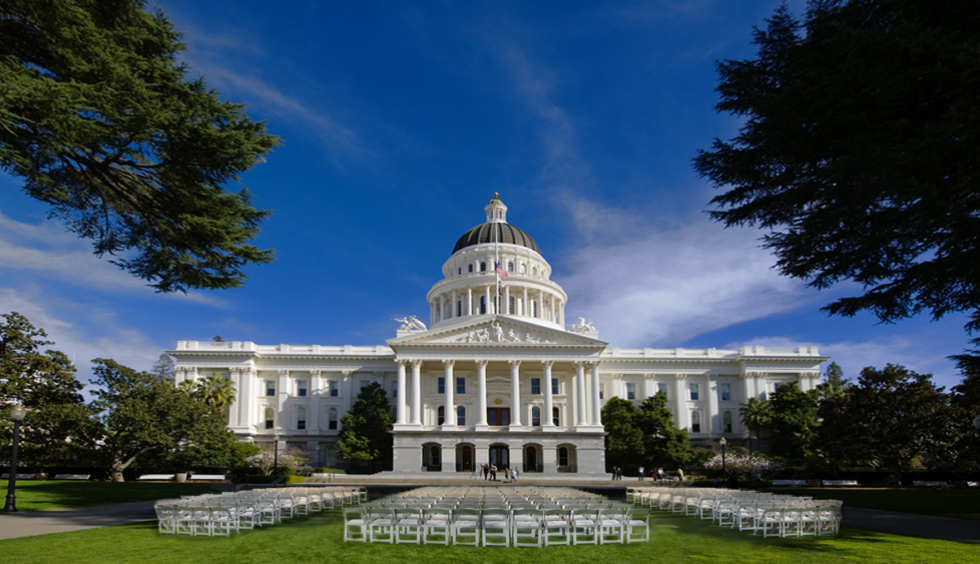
(498, 416)
(499, 456)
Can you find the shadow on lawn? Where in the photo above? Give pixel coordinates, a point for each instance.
(40, 495)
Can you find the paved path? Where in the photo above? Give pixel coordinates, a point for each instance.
(913, 525)
(30, 523)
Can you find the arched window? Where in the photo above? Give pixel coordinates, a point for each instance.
(461, 415)
(535, 271)
(332, 418)
(695, 421)
(470, 267)
(483, 267)
(536, 416)
(510, 266)
(726, 419)
(270, 418)
(459, 308)
(534, 308)
(510, 306)
(441, 415)
(300, 417)
(459, 271)
(562, 456)
(555, 412)
(483, 304)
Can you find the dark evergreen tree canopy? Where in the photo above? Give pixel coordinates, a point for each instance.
(365, 437)
(98, 117)
(858, 152)
(644, 437)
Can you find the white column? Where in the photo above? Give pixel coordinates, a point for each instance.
(596, 406)
(486, 292)
(525, 308)
(747, 387)
(649, 387)
(235, 411)
(452, 306)
(561, 313)
(313, 403)
(283, 394)
(442, 307)
(680, 402)
(546, 418)
(580, 408)
(506, 305)
(247, 397)
(416, 392)
(448, 376)
(402, 392)
(515, 393)
(481, 392)
(469, 301)
(347, 380)
(712, 392)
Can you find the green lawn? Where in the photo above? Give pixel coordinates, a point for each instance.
(963, 503)
(318, 539)
(41, 495)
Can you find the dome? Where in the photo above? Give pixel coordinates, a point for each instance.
(496, 232)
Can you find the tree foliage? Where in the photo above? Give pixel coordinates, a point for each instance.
(56, 429)
(144, 416)
(99, 118)
(857, 152)
(365, 437)
(644, 437)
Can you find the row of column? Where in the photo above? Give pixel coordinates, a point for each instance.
(588, 410)
(549, 306)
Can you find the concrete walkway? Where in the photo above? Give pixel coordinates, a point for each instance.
(912, 524)
(31, 523)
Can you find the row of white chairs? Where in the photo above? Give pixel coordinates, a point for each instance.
(758, 512)
(520, 517)
(220, 514)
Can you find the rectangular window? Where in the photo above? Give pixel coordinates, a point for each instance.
(536, 386)
(695, 421)
(726, 391)
(694, 392)
(333, 388)
(441, 386)
(483, 304)
(536, 416)
(471, 268)
(602, 391)
(459, 309)
(461, 416)
(301, 418)
(630, 391)
(301, 388)
(554, 386)
(662, 388)
(727, 421)
(460, 385)
(270, 387)
(301, 424)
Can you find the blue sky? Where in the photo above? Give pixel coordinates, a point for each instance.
(400, 120)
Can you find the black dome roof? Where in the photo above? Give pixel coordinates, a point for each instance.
(496, 232)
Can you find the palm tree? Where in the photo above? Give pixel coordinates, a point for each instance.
(756, 415)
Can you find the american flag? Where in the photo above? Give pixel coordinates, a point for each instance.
(500, 272)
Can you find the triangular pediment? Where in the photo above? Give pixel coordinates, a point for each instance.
(496, 331)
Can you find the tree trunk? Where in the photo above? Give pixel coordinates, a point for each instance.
(118, 466)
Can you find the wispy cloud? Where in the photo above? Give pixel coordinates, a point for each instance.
(101, 334)
(657, 285)
(918, 353)
(50, 252)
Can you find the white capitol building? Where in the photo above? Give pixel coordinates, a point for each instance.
(495, 376)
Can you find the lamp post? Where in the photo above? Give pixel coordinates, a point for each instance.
(17, 413)
(723, 442)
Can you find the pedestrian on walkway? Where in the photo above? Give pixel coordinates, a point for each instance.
(486, 470)
(641, 473)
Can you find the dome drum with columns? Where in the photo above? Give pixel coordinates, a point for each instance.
(494, 376)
